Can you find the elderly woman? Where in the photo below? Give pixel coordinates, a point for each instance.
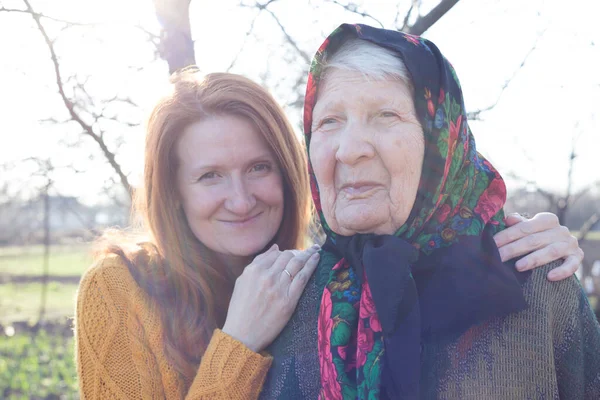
(411, 296)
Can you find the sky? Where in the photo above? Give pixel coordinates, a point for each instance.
(551, 100)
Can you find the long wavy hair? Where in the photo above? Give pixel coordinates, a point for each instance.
(191, 289)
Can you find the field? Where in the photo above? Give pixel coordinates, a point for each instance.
(21, 281)
(38, 363)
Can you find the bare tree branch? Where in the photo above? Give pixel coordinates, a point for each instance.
(40, 15)
(551, 197)
(87, 129)
(475, 115)
(288, 37)
(291, 41)
(564, 203)
(405, 24)
(248, 33)
(152, 37)
(588, 226)
(426, 21)
(581, 193)
(353, 8)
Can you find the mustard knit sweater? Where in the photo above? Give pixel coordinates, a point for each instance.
(119, 347)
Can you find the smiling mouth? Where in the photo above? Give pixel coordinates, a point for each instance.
(359, 190)
(243, 221)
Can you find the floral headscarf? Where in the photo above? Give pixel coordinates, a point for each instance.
(441, 272)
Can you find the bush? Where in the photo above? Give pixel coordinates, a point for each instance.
(37, 366)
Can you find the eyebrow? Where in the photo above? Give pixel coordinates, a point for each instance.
(196, 169)
(367, 101)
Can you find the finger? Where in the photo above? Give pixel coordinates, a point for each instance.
(267, 259)
(527, 244)
(558, 241)
(259, 257)
(301, 279)
(539, 223)
(512, 233)
(567, 269)
(545, 220)
(297, 263)
(513, 219)
(279, 264)
(542, 256)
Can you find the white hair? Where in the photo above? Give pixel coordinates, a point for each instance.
(373, 61)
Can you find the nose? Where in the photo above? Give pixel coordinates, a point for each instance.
(354, 144)
(241, 199)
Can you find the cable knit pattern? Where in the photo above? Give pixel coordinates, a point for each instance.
(119, 347)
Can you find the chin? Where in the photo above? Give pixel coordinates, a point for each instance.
(251, 249)
(361, 223)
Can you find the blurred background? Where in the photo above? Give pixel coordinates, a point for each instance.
(77, 79)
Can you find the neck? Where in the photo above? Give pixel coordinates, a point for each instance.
(235, 264)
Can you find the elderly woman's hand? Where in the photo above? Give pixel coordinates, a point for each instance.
(545, 239)
(266, 295)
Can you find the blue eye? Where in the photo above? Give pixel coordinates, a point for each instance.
(261, 167)
(208, 175)
(327, 121)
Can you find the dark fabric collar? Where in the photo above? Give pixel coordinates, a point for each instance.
(444, 293)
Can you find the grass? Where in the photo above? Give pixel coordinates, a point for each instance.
(39, 366)
(20, 302)
(593, 235)
(64, 260)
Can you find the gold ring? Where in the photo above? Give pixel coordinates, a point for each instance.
(288, 272)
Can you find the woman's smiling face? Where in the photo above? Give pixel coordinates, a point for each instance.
(230, 186)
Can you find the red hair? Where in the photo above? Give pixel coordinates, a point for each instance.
(181, 274)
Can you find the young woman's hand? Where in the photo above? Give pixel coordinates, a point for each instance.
(543, 240)
(266, 295)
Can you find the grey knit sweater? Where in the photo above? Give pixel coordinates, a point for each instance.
(551, 350)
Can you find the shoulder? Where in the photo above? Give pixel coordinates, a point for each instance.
(563, 304)
(566, 290)
(111, 270)
(108, 284)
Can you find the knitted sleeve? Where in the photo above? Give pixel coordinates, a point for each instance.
(229, 370)
(119, 347)
(576, 337)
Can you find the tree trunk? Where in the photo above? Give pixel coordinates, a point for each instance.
(427, 21)
(46, 262)
(176, 46)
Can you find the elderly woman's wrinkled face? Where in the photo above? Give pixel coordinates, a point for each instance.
(367, 150)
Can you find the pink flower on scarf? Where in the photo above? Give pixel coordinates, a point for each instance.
(442, 96)
(412, 39)
(492, 200)
(364, 344)
(309, 102)
(367, 308)
(454, 130)
(330, 386)
(443, 213)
